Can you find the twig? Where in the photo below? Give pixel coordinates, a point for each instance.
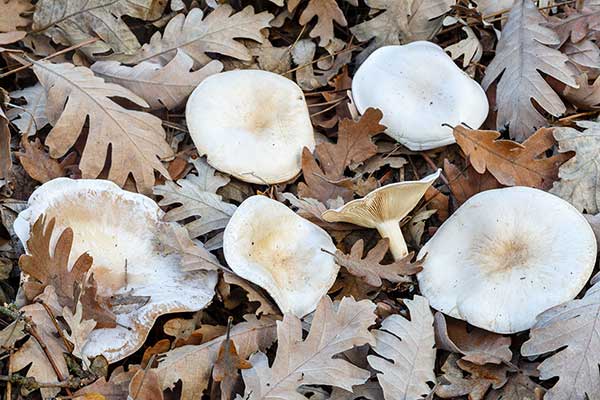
(68, 344)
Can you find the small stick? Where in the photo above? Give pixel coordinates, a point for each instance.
(67, 344)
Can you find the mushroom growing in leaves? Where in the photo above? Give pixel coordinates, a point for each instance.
(268, 244)
(420, 90)
(505, 256)
(383, 209)
(128, 241)
(251, 124)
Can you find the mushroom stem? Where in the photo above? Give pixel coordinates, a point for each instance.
(392, 231)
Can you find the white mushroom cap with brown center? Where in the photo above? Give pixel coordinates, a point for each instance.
(505, 256)
(251, 124)
(419, 88)
(383, 209)
(125, 235)
(268, 244)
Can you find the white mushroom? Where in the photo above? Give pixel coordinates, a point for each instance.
(268, 244)
(124, 234)
(383, 209)
(419, 88)
(505, 256)
(251, 124)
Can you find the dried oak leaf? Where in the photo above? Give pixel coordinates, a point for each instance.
(327, 12)
(227, 367)
(408, 20)
(159, 86)
(572, 330)
(198, 35)
(310, 361)
(470, 49)
(354, 145)
(197, 197)
(30, 117)
(579, 181)
(12, 18)
(476, 345)
(136, 383)
(80, 331)
(39, 165)
(73, 22)
(5, 158)
(512, 163)
(370, 268)
(519, 386)
(586, 96)
(193, 364)
(406, 351)
(145, 385)
(136, 139)
(576, 25)
(253, 293)
(482, 378)
(467, 183)
(523, 53)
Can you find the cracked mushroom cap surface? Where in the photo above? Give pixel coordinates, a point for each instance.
(505, 256)
(251, 124)
(270, 245)
(418, 87)
(126, 237)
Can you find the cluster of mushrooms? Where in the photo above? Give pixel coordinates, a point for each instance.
(501, 259)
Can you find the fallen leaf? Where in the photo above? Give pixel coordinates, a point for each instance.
(576, 25)
(327, 12)
(476, 345)
(12, 14)
(370, 268)
(136, 139)
(159, 86)
(227, 367)
(12, 333)
(145, 385)
(193, 364)
(116, 388)
(38, 164)
(469, 48)
(179, 328)
(572, 330)
(310, 78)
(198, 35)
(512, 163)
(266, 306)
(482, 378)
(80, 330)
(586, 96)
(585, 54)
(406, 352)
(467, 183)
(194, 256)
(310, 361)
(30, 117)
(524, 50)
(5, 158)
(519, 386)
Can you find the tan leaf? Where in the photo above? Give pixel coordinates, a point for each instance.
(572, 330)
(408, 21)
(476, 345)
(11, 14)
(145, 385)
(469, 48)
(524, 50)
(159, 86)
(407, 352)
(576, 25)
(197, 197)
(266, 307)
(5, 158)
(310, 361)
(31, 116)
(469, 182)
(38, 164)
(586, 96)
(227, 367)
(519, 386)
(179, 328)
(194, 256)
(310, 78)
(13, 332)
(193, 364)
(348, 285)
(327, 12)
(72, 22)
(579, 181)
(198, 35)
(80, 330)
(116, 388)
(136, 139)
(512, 163)
(370, 268)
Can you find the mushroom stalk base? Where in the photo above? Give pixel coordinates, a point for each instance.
(392, 231)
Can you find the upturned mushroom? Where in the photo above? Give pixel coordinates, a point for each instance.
(505, 256)
(420, 91)
(268, 244)
(383, 209)
(126, 237)
(251, 124)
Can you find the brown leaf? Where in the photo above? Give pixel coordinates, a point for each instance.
(5, 159)
(80, 330)
(576, 25)
(477, 345)
(254, 294)
(348, 285)
(519, 386)
(469, 182)
(586, 96)
(511, 163)
(327, 11)
(162, 346)
(145, 385)
(476, 385)
(438, 201)
(11, 14)
(354, 145)
(370, 268)
(227, 367)
(38, 163)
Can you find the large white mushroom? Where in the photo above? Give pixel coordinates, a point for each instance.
(419, 89)
(268, 244)
(126, 237)
(251, 124)
(505, 256)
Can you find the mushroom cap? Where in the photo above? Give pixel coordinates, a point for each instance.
(505, 256)
(418, 88)
(251, 124)
(117, 227)
(388, 203)
(268, 244)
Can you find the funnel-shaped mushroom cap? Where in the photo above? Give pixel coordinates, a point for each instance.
(124, 234)
(268, 244)
(419, 88)
(505, 256)
(383, 209)
(251, 124)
